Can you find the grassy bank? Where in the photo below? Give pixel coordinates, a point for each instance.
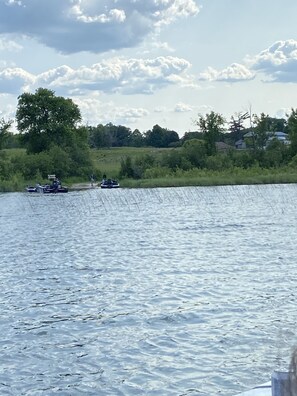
(203, 178)
(108, 161)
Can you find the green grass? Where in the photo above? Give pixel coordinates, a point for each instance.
(198, 177)
(108, 161)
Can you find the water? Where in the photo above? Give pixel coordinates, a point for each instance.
(185, 291)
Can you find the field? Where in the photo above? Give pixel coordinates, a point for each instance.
(108, 161)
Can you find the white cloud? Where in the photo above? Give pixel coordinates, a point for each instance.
(114, 75)
(71, 26)
(9, 45)
(182, 108)
(160, 109)
(282, 113)
(174, 9)
(278, 62)
(96, 112)
(13, 80)
(113, 15)
(233, 73)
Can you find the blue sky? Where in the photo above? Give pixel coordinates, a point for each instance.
(144, 62)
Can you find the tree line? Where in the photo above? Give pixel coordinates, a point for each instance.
(50, 129)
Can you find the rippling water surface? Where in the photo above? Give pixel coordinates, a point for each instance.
(184, 291)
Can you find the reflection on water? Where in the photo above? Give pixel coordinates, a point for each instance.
(184, 291)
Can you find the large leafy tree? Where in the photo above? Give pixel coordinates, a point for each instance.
(99, 136)
(136, 139)
(48, 124)
(261, 130)
(4, 131)
(161, 137)
(44, 119)
(212, 127)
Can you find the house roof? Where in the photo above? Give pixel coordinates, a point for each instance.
(277, 134)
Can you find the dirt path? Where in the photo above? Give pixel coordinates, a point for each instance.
(82, 186)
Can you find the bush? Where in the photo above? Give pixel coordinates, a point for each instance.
(175, 159)
(218, 162)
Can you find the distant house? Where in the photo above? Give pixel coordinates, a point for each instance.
(247, 139)
(280, 136)
(240, 144)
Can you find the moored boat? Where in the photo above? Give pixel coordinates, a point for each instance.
(109, 183)
(53, 188)
(31, 189)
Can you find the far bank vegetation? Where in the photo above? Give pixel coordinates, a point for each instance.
(51, 139)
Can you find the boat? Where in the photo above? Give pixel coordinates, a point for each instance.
(53, 188)
(47, 189)
(31, 189)
(109, 183)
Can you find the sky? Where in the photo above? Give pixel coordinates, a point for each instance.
(139, 63)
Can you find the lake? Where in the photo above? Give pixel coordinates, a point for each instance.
(173, 291)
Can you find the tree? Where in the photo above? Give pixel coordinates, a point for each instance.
(44, 119)
(261, 130)
(4, 131)
(194, 150)
(292, 129)
(99, 136)
(161, 137)
(136, 139)
(49, 123)
(212, 127)
(236, 125)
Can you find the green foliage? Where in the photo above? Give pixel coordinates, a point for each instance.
(191, 135)
(292, 130)
(136, 139)
(212, 127)
(175, 159)
(110, 135)
(194, 151)
(6, 169)
(161, 137)
(4, 132)
(242, 159)
(59, 161)
(293, 162)
(32, 165)
(157, 172)
(260, 131)
(126, 168)
(98, 137)
(136, 168)
(44, 119)
(277, 154)
(218, 162)
(48, 126)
